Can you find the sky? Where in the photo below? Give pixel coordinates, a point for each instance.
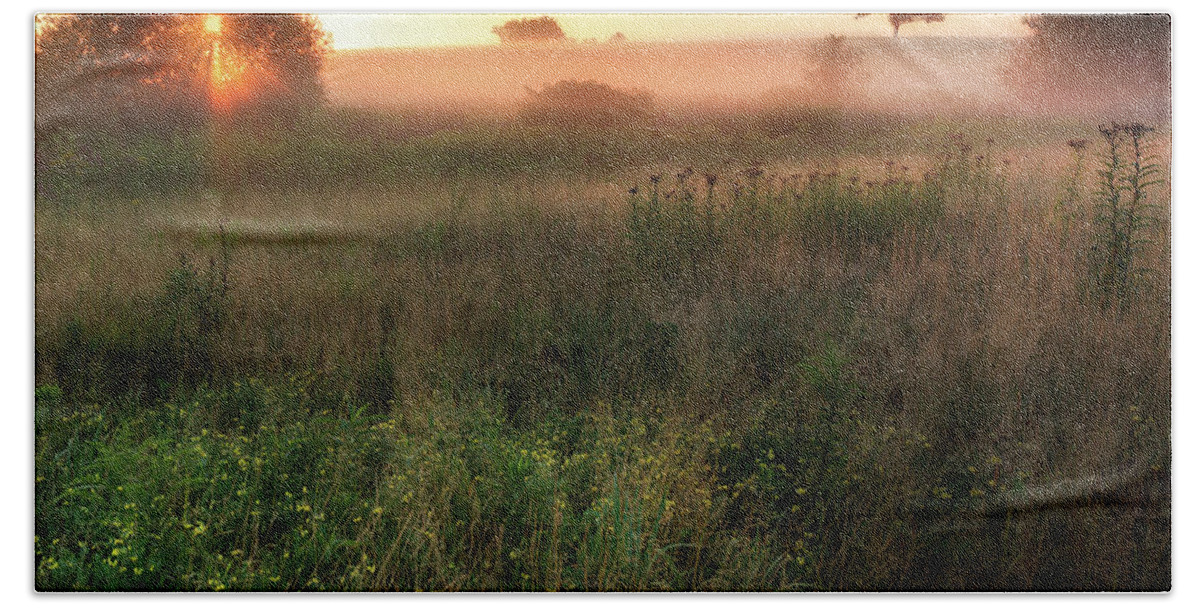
(367, 30)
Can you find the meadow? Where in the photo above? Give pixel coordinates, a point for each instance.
(779, 351)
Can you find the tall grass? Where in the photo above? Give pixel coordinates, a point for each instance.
(703, 379)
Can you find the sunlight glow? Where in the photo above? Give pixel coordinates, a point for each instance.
(212, 24)
(226, 69)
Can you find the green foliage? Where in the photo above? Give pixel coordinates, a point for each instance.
(150, 346)
(72, 166)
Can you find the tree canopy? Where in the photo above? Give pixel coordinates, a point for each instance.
(900, 19)
(540, 29)
(165, 68)
(1110, 62)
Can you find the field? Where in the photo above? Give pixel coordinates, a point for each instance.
(413, 363)
(846, 314)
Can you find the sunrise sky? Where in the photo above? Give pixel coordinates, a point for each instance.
(366, 30)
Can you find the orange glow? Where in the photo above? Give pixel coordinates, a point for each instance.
(212, 24)
(226, 70)
(225, 76)
(43, 22)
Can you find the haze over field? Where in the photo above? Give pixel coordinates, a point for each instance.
(948, 68)
(362, 31)
(884, 73)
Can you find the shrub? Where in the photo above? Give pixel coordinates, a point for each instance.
(573, 104)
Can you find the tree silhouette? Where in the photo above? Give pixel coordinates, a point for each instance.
(537, 30)
(1096, 62)
(283, 56)
(899, 19)
(95, 66)
(835, 72)
(157, 70)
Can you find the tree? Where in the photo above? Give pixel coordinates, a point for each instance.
(538, 30)
(281, 57)
(1096, 63)
(835, 73)
(169, 69)
(899, 19)
(101, 66)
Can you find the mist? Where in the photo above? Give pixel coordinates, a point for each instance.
(897, 76)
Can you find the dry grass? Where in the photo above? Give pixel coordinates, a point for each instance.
(565, 386)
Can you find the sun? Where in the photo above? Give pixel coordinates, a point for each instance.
(212, 24)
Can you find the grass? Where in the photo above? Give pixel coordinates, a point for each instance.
(478, 377)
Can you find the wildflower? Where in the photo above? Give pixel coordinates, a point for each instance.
(1137, 129)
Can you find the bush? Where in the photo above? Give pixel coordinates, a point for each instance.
(571, 104)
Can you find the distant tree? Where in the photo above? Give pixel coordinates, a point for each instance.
(571, 103)
(899, 19)
(617, 38)
(1095, 62)
(835, 73)
(535, 30)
